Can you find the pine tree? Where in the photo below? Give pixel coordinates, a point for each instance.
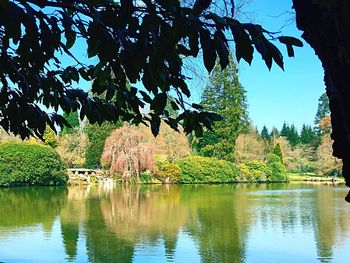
(265, 134)
(293, 137)
(225, 96)
(307, 134)
(285, 131)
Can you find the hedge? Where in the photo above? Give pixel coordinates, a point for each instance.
(23, 163)
(197, 169)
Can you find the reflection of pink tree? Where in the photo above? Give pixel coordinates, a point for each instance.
(127, 152)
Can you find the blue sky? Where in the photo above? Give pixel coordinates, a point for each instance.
(273, 96)
(276, 96)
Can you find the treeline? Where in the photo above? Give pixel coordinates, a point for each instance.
(310, 150)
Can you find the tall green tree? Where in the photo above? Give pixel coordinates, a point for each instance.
(224, 96)
(293, 137)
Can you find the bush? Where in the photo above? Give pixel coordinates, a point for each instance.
(256, 171)
(196, 169)
(168, 172)
(253, 171)
(23, 163)
(277, 170)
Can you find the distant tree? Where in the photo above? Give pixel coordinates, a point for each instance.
(322, 109)
(265, 134)
(128, 153)
(307, 135)
(72, 149)
(278, 151)
(293, 137)
(274, 134)
(290, 133)
(97, 135)
(249, 147)
(325, 125)
(224, 96)
(285, 131)
(73, 120)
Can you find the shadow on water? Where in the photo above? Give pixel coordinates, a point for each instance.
(197, 223)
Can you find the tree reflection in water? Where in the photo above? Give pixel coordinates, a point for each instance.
(221, 220)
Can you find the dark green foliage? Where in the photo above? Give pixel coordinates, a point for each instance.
(168, 172)
(265, 134)
(97, 135)
(197, 169)
(307, 135)
(278, 152)
(30, 164)
(291, 134)
(129, 41)
(73, 120)
(226, 97)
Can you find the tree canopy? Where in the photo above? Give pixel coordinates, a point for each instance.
(129, 41)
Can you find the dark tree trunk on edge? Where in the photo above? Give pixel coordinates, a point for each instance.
(326, 27)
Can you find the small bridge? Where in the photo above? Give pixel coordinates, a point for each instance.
(83, 175)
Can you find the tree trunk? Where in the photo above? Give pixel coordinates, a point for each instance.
(326, 27)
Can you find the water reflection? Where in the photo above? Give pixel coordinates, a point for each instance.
(221, 223)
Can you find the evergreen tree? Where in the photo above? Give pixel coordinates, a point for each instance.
(307, 135)
(73, 119)
(285, 131)
(97, 135)
(265, 134)
(293, 137)
(278, 151)
(322, 109)
(274, 133)
(226, 97)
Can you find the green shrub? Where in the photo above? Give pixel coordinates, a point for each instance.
(168, 172)
(253, 171)
(23, 163)
(196, 169)
(277, 171)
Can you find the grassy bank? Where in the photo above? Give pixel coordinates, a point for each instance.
(309, 177)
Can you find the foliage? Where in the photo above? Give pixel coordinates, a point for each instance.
(276, 169)
(226, 97)
(265, 134)
(121, 38)
(322, 109)
(30, 164)
(307, 135)
(50, 137)
(249, 147)
(257, 171)
(291, 134)
(168, 172)
(197, 169)
(253, 171)
(72, 148)
(278, 152)
(127, 153)
(74, 122)
(325, 125)
(97, 135)
(171, 144)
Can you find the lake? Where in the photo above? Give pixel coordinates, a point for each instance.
(188, 223)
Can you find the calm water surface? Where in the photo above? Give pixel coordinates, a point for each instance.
(219, 223)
